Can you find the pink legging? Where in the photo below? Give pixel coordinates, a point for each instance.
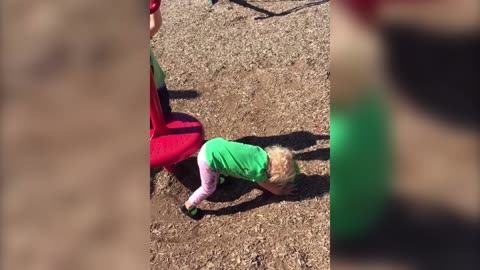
(208, 177)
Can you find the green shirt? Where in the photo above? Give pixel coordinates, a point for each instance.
(237, 159)
(360, 165)
(158, 74)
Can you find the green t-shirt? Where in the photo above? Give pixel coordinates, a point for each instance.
(237, 159)
(360, 165)
(158, 74)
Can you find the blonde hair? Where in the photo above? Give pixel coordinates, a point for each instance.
(281, 167)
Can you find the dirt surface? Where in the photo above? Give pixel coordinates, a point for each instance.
(254, 72)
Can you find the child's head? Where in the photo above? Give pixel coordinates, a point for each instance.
(281, 165)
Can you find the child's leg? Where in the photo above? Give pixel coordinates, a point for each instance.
(209, 184)
(209, 180)
(164, 98)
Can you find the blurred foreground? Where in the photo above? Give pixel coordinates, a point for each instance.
(419, 57)
(74, 167)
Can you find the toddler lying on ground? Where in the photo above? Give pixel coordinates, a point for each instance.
(274, 169)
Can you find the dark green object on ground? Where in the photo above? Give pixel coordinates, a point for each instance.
(221, 180)
(360, 167)
(193, 213)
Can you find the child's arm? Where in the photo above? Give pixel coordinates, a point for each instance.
(278, 190)
(155, 22)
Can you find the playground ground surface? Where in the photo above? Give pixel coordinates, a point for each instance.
(254, 72)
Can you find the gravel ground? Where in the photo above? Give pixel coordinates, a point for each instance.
(254, 72)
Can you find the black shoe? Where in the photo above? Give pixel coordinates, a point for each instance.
(194, 213)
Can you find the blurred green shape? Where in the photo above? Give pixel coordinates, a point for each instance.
(360, 166)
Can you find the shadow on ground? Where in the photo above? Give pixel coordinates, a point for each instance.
(436, 239)
(183, 94)
(269, 14)
(296, 141)
(436, 71)
(308, 187)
